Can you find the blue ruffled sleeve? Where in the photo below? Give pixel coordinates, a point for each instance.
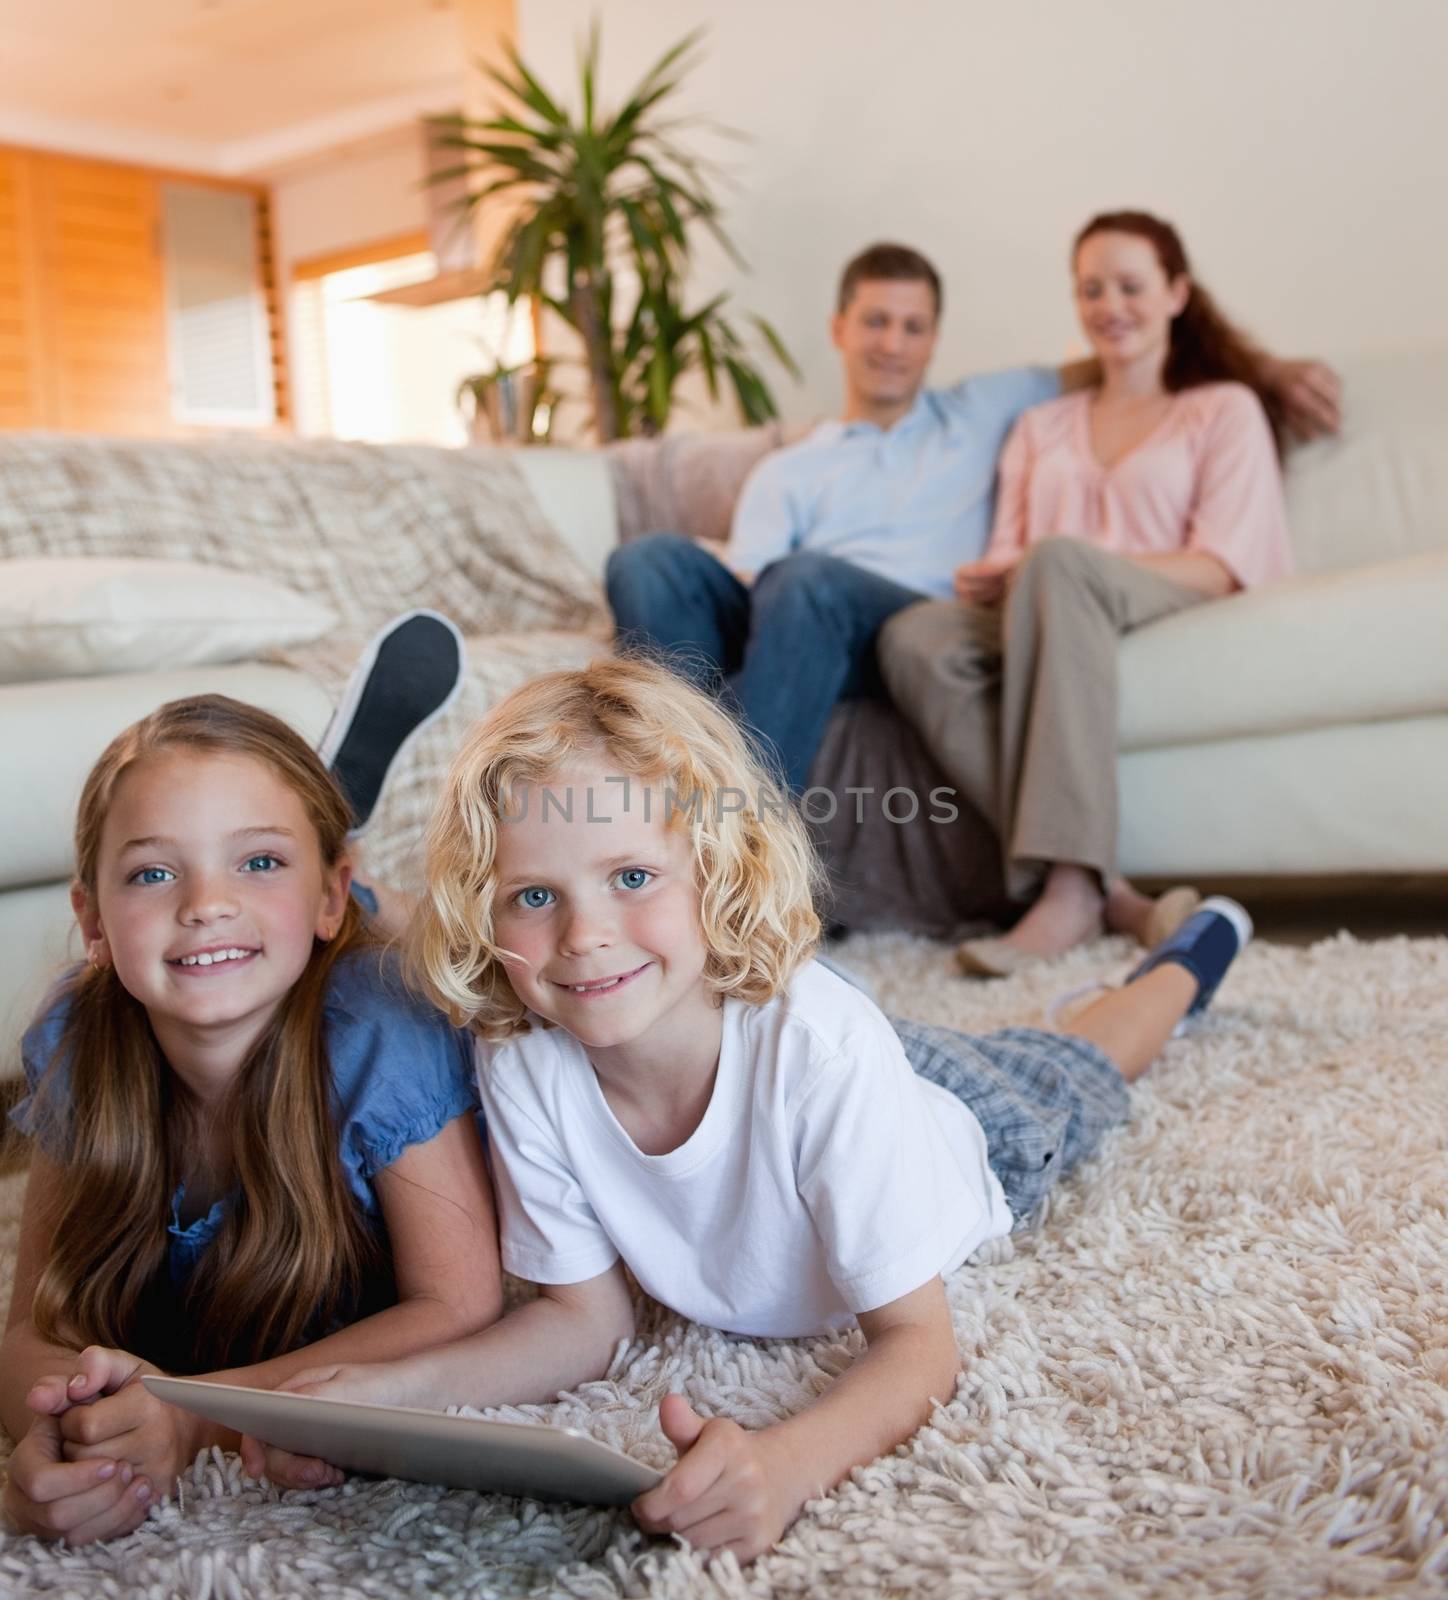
(42, 1113)
(400, 1071)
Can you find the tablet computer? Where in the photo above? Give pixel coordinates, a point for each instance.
(515, 1458)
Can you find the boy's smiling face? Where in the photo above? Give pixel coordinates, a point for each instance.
(601, 917)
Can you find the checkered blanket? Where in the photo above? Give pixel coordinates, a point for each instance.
(371, 530)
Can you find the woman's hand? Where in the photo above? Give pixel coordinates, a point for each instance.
(984, 583)
(726, 1491)
(374, 1383)
(78, 1501)
(104, 1412)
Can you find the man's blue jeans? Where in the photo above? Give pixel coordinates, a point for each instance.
(779, 653)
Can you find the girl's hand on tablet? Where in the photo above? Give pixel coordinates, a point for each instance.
(287, 1471)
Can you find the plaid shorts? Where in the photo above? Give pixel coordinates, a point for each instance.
(1045, 1100)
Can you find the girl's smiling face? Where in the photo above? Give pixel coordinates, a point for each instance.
(599, 913)
(210, 890)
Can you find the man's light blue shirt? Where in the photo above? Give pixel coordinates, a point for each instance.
(909, 502)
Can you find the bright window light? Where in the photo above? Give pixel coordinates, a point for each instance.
(390, 373)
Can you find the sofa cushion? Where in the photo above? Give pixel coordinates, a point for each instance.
(37, 816)
(83, 617)
(1341, 647)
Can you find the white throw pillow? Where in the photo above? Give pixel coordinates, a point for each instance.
(78, 617)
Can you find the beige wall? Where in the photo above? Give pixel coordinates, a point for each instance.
(350, 199)
(1300, 145)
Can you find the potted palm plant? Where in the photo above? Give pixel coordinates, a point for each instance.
(607, 206)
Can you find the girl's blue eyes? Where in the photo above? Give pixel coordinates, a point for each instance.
(537, 897)
(257, 863)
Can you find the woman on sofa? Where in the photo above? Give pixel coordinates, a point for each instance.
(1155, 489)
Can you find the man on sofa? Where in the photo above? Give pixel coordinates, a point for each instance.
(868, 514)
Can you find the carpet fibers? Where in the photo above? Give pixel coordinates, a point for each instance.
(1218, 1366)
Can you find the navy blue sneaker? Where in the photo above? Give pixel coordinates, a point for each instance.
(407, 676)
(1206, 944)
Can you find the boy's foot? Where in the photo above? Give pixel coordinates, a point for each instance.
(408, 674)
(1206, 944)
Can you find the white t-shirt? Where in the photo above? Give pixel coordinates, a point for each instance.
(825, 1179)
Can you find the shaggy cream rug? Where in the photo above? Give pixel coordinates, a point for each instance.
(1218, 1367)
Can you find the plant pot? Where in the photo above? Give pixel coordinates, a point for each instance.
(513, 407)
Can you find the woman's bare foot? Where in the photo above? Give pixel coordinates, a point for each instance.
(1067, 913)
(1127, 909)
(1148, 921)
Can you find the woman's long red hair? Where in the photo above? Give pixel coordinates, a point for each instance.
(1205, 346)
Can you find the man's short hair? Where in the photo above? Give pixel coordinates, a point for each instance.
(896, 263)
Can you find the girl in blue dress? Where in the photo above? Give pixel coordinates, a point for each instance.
(253, 1149)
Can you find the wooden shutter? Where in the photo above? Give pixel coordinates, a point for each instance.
(102, 282)
(23, 403)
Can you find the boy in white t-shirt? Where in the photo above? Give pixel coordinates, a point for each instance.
(621, 906)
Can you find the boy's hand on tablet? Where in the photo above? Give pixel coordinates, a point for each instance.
(103, 1412)
(726, 1491)
(288, 1471)
(78, 1501)
(372, 1382)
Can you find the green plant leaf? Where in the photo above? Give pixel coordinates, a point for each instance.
(612, 200)
(708, 359)
(526, 87)
(588, 72)
(661, 386)
(777, 346)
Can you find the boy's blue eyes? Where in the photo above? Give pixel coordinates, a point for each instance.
(153, 875)
(536, 898)
(262, 863)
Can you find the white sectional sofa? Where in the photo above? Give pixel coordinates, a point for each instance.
(1298, 731)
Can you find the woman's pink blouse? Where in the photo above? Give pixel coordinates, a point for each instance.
(1206, 479)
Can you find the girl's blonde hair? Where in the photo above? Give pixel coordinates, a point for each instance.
(757, 872)
(293, 1249)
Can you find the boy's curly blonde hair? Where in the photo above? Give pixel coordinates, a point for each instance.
(757, 872)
